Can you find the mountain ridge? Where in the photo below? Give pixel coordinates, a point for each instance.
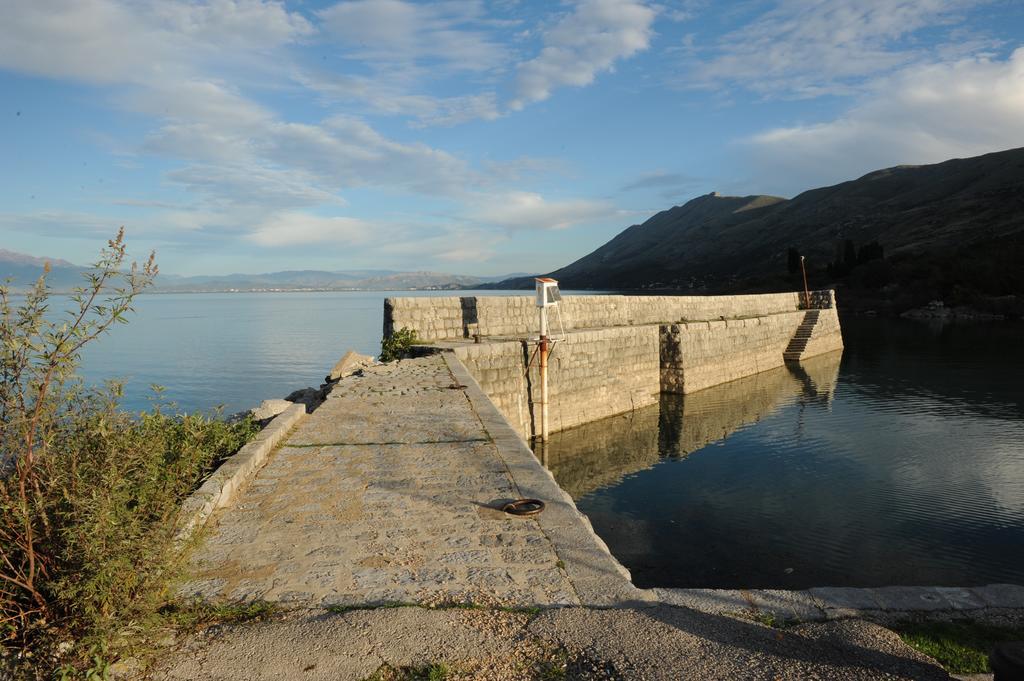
(925, 216)
(23, 270)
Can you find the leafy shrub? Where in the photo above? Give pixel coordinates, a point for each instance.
(89, 495)
(396, 346)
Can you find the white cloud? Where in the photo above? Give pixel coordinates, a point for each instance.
(670, 186)
(210, 75)
(582, 44)
(239, 152)
(526, 210)
(378, 95)
(293, 228)
(923, 114)
(449, 244)
(61, 223)
(813, 47)
(250, 185)
(105, 41)
(411, 245)
(399, 32)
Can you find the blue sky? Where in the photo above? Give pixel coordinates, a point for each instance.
(465, 136)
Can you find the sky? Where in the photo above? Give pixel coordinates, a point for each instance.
(465, 136)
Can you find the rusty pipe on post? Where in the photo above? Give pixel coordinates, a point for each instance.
(543, 348)
(807, 291)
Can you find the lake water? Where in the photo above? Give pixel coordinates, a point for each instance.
(899, 462)
(902, 462)
(237, 349)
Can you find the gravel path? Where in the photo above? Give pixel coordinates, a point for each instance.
(383, 494)
(386, 494)
(660, 643)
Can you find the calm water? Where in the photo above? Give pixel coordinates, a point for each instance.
(902, 462)
(237, 349)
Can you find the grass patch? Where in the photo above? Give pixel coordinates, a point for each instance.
(397, 345)
(531, 611)
(767, 618)
(89, 494)
(555, 667)
(195, 614)
(342, 609)
(436, 671)
(960, 646)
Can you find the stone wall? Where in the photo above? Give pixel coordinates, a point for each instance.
(430, 318)
(826, 336)
(591, 375)
(619, 352)
(452, 318)
(698, 355)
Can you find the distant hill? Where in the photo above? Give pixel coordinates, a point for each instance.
(361, 280)
(24, 270)
(931, 229)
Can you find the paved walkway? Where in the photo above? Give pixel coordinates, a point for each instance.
(653, 644)
(386, 493)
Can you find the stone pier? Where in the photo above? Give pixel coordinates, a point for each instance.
(617, 353)
(387, 493)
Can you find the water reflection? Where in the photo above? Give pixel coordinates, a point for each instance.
(603, 452)
(237, 349)
(901, 463)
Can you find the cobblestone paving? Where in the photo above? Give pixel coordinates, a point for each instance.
(383, 494)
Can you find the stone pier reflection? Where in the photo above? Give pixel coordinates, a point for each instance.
(601, 453)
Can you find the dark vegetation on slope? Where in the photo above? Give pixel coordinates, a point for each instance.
(951, 231)
(89, 494)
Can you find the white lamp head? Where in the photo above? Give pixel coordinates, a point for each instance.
(548, 294)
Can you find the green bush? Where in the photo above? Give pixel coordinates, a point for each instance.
(396, 346)
(89, 495)
(960, 646)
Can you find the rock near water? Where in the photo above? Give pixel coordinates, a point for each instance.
(268, 409)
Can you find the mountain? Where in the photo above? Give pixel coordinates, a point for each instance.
(362, 280)
(24, 270)
(962, 214)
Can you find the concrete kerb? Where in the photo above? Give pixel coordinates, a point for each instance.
(601, 581)
(234, 473)
(883, 604)
(598, 578)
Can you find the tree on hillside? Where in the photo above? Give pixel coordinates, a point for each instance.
(870, 251)
(793, 260)
(849, 255)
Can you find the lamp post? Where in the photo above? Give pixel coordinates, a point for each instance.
(807, 292)
(547, 296)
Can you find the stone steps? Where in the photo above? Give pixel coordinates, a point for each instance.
(794, 351)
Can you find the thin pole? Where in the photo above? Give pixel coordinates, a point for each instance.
(543, 374)
(807, 292)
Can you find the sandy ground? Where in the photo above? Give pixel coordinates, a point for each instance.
(654, 643)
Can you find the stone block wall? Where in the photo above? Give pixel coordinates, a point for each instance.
(619, 353)
(451, 318)
(826, 335)
(500, 369)
(430, 318)
(698, 355)
(591, 375)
